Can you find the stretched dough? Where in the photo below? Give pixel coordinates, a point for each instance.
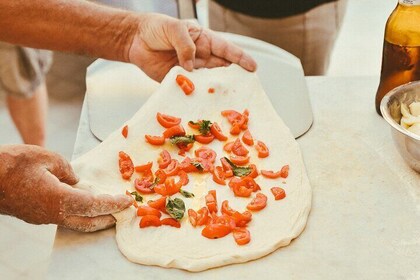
(185, 248)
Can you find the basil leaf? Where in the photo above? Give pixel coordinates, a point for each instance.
(186, 194)
(175, 208)
(175, 140)
(198, 165)
(240, 171)
(137, 197)
(204, 127)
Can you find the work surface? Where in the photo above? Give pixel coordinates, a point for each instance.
(364, 222)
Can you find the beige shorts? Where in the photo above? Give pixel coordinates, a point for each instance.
(22, 70)
(309, 36)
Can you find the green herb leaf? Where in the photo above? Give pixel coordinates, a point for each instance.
(186, 194)
(240, 171)
(137, 197)
(204, 127)
(175, 208)
(182, 140)
(198, 165)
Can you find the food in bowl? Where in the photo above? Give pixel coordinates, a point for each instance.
(411, 117)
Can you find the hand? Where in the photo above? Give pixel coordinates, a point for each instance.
(35, 186)
(162, 42)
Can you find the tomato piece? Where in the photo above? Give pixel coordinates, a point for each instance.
(144, 167)
(159, 204)
(160, 176)
(239, 149)
(192, 217)
(214, 231)
(226, 209)
(176, 130)
(219, 176)
(184, 148)
(254, 171)
(228, 146)
(211, 201)
(239, 160)
(262, 149)
(187, 166)
(206, 154)
(172, 187)
(204, 139)
(143, 185)
(242, 219)
(165, 159)
(124, 131)
(167, 121)
(284, 172)
(150, 221)
(243, 122)
(211, 90)
(194, 125)
(217, 132)
(172, 169)
(171, 222)
(223, 219)
(185, 84)
(258, 203)
(243, 187)
(279, 193)
(126, 165)
(199, 218)
(235, 129)
(147, 210)
(242, 236)
(226, 166)
(232, 115)
(247, 138)
(155, 140)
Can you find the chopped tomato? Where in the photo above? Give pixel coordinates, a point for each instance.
(239, 160)
(241, 191)
(124, 131)
(150, 221)
(168, 188)
(232, 115)
(278, 193)
(183, 178)
(228, 147)
(262, 149)
(235, 129)
(167, 121)
(226, 209)
(247, 138)
(144, 167)
(219, 175)
(176, 130)
(155, 140)
(172, 169)
(242, 219)
(206, 154)
(243, 122)
(226, 166)
(238, 148)
(243, 187)
(199, 218)
(258, 203)
(194, 125)
(211, 90)
(211, 201)
(217, 132)
(214, 231)
(165, 159)
(223, 219)
(126, 165)
(160, 176)
(158, 204)
(184, 148)
(143, 185)
(187, 166)
(185, 84)
(241, 236)
(204, 139)
(171, 222)
(284, 172)
(254, 171)
(147, 210)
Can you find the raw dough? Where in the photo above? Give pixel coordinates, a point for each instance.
(185, 248)
(411, 117)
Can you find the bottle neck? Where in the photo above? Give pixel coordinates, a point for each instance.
(409, 2)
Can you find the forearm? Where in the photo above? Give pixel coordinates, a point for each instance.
(68, 25)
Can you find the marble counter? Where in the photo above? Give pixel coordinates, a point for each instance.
(365, 217)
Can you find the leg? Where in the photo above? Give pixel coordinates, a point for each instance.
(29, 115)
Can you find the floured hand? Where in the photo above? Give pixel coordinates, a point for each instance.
(36, 186)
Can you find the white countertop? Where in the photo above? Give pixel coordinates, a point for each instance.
(365, 217)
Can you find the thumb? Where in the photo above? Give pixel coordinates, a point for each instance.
(183, 43)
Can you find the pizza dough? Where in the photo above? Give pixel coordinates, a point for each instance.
(411, 117)
(185, 248)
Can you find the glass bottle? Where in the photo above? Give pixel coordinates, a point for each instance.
(401, 50)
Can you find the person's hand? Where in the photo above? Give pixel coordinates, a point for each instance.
(162, 42)
(35, 186)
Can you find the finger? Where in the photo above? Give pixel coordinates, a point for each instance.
(231, 52)
(62, 169)
(183, 43)
(211, 62)
(88, 224)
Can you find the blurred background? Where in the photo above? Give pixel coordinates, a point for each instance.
(25, 248)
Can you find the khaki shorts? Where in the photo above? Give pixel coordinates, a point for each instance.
(309, 36)
(22, 70)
